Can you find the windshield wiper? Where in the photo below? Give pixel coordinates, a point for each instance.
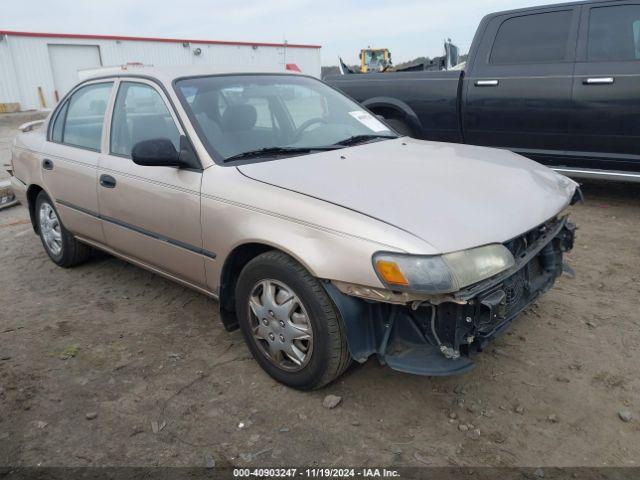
(356, 139)
(269, 151)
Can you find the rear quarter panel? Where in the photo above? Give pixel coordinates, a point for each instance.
(27, 158)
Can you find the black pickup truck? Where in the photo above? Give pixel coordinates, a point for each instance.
(559, 84)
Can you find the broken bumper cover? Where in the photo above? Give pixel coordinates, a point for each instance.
(441, 339)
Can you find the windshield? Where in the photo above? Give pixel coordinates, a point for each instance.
(374, 58)
(240, 114)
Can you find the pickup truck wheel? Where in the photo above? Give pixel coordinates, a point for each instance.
(289, 323)
(59, 244)
(399, 126)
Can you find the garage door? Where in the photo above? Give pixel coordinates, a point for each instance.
(66, 60)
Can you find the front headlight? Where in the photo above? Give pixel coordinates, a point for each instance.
(441, 273)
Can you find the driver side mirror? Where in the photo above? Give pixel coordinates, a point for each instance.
(160, 152)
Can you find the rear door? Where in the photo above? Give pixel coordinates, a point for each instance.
(150, 213)
(606, 91)
(518, 95)
(71, 154)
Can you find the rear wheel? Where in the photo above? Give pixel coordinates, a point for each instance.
(58, 242)
(289, 323)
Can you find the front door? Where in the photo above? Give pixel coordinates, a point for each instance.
(519, 90)
(606, 122)
(149, 213)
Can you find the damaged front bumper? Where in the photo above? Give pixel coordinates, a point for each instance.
(440, 336)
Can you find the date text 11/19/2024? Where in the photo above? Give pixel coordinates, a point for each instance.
(315, 473)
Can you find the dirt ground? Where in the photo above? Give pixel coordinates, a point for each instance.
(169, 387)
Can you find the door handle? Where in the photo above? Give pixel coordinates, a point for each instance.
(487, 83)
(47, 164)
(107, 181)
(598, 81)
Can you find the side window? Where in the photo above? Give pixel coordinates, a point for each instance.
(58, 125)
(84, 117)
(538, 38)
(614, 33)
(140, 114)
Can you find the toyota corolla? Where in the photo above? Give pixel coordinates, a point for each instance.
(325, 236)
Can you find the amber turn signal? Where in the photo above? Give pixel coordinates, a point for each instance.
(391, 273)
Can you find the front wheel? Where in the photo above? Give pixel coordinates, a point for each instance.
(289, 323)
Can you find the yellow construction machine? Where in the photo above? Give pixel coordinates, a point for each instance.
(375, 60)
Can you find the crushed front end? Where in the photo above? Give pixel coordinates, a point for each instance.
(439, 336)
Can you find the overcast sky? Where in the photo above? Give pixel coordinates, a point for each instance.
(410, 28)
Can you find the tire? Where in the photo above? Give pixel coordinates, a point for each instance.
(61, 246)
(326, 355)
(400, 126)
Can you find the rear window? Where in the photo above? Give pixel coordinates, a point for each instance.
(614, 33)
(538, 38)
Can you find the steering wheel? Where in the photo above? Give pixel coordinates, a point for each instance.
(312, 121)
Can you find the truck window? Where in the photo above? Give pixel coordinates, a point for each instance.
(538, 38)
(614, 33)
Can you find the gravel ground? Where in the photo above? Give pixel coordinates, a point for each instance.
(107, 364)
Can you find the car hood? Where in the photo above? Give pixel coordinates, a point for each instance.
(451, 196)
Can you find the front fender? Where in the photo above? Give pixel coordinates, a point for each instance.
(330, 241)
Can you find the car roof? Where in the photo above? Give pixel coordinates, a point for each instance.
(170, 73)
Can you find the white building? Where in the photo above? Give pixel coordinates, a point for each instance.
(37, 69)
